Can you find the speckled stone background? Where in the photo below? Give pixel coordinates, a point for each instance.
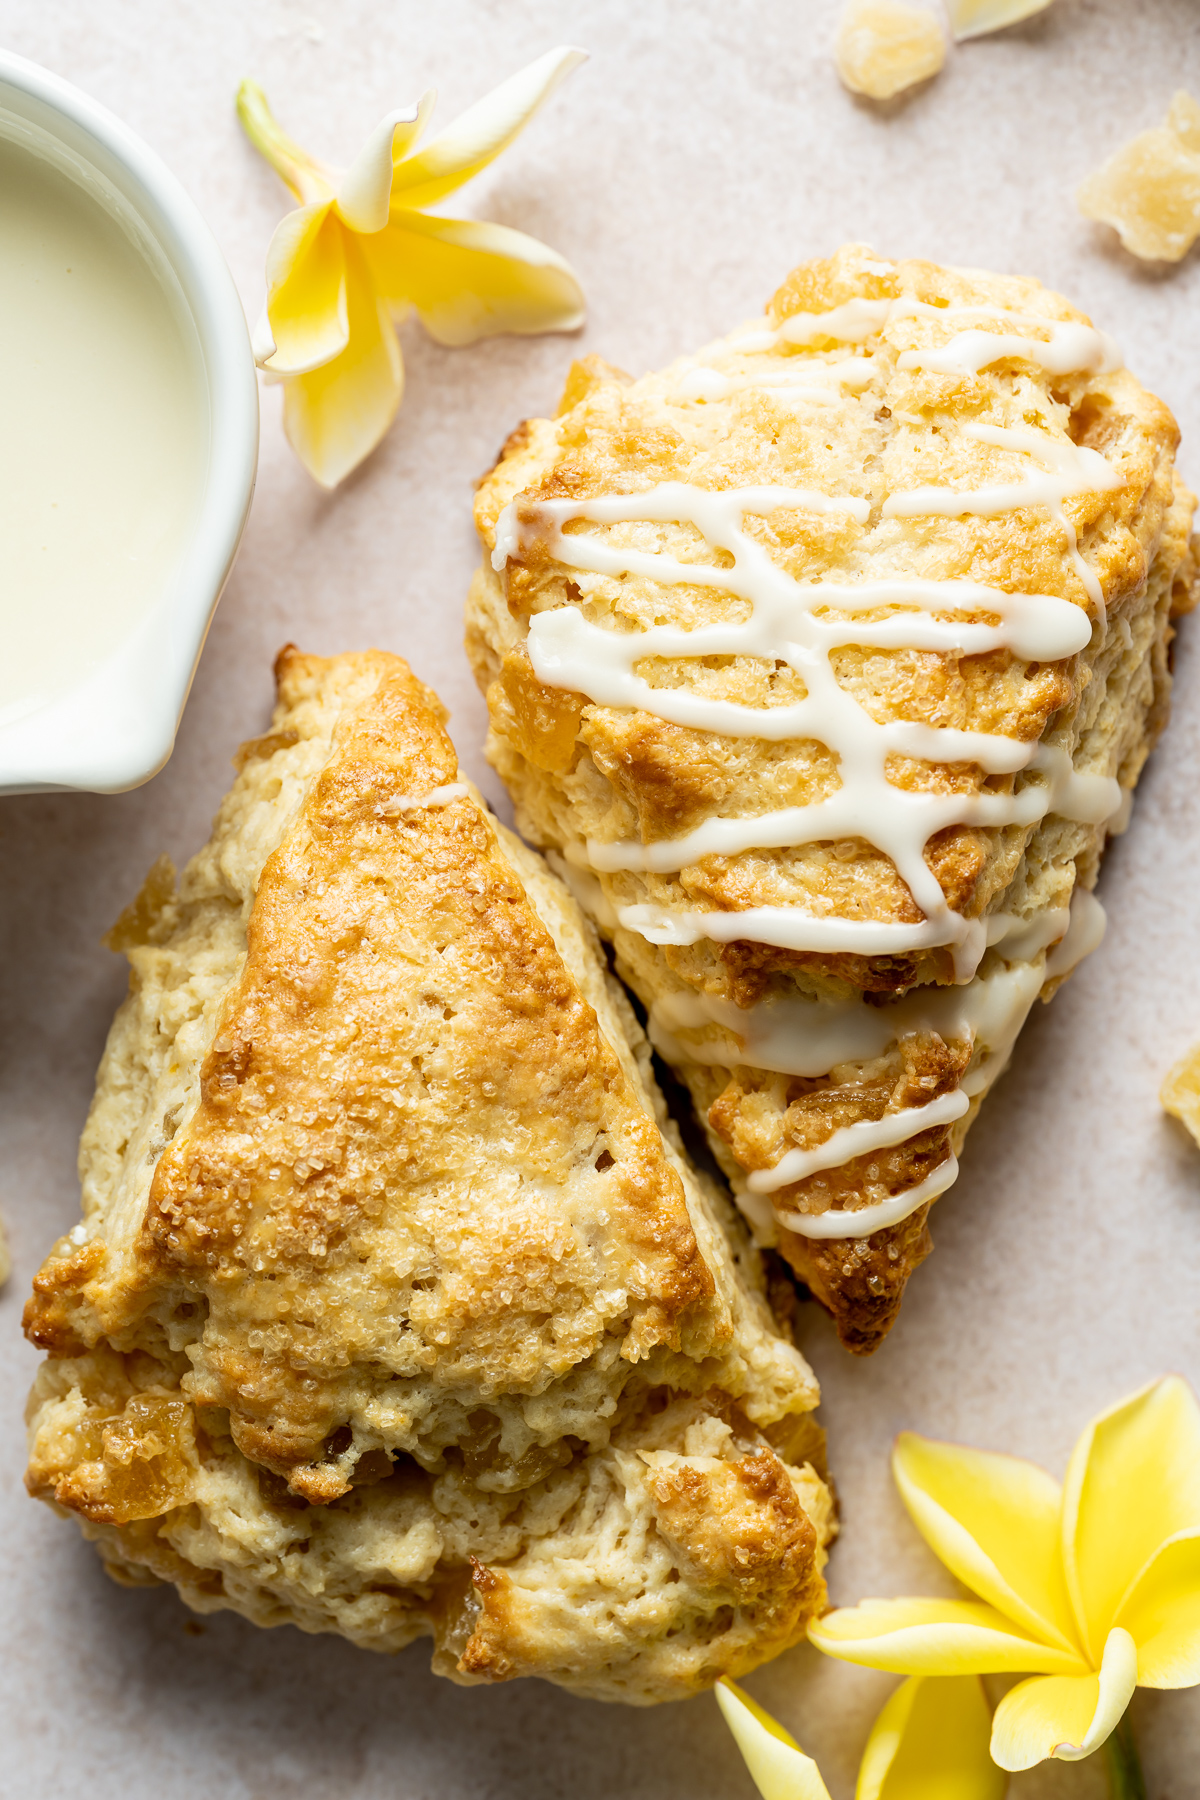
(705, 148)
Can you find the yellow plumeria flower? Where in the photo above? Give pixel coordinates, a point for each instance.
(1093, 1588)
(930, 1740)
(361, 251)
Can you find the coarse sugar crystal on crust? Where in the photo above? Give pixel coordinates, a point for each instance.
(396, 1310)
(823, 663)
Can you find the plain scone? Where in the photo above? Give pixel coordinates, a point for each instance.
(964, 446)
(396, 1310)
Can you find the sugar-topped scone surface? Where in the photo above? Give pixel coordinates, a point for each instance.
(395, 1309)
(825, 661)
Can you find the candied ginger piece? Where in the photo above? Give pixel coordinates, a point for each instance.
(884, 46)
(1180, 1093)
(1149, 191)
(1183, 118)
(973, 18)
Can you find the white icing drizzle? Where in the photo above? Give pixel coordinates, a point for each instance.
(1088, 799)
(776, 925)
(1118, 824)
(1023, 939)
(790, 929)
(812, 1038)
(859, 1140)
(1084, 934)
(568, 651)
(865, 1219)
(585, 890)
(438, 796)
(1072, 348)
(800, 624)
(1071, 469)
(851, 323)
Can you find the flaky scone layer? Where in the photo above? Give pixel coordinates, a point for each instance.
(395, 1309)
(924, 514)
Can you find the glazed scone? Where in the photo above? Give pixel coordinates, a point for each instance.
(823, 663)
(395, 1309)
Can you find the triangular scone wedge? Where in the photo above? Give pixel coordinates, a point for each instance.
(395, 1310)
(827, 660)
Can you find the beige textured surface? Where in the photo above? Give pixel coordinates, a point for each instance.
(391, 1312)
(697, 155)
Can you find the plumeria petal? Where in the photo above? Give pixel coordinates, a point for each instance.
(335, 415)
(483, 131)
(930, 1742)
(936, 1637)
(1065, 1717)
(262, 344)
(308, 179)
(305, 324)
(995, 1523)
(470, 280)
(1161, 1612)
(1133, 1483)
(972, 18)
(778, 1767)
(365, 190)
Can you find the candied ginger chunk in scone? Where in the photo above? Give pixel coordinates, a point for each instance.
(822, 664)
(396, 1310)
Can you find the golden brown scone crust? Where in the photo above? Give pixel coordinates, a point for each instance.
(394, 1312)
(580, 771)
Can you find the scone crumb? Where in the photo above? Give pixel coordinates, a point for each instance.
(1149, 191)
(974, 18)
(137, 923)
(884, 46)
(1180, 1093)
